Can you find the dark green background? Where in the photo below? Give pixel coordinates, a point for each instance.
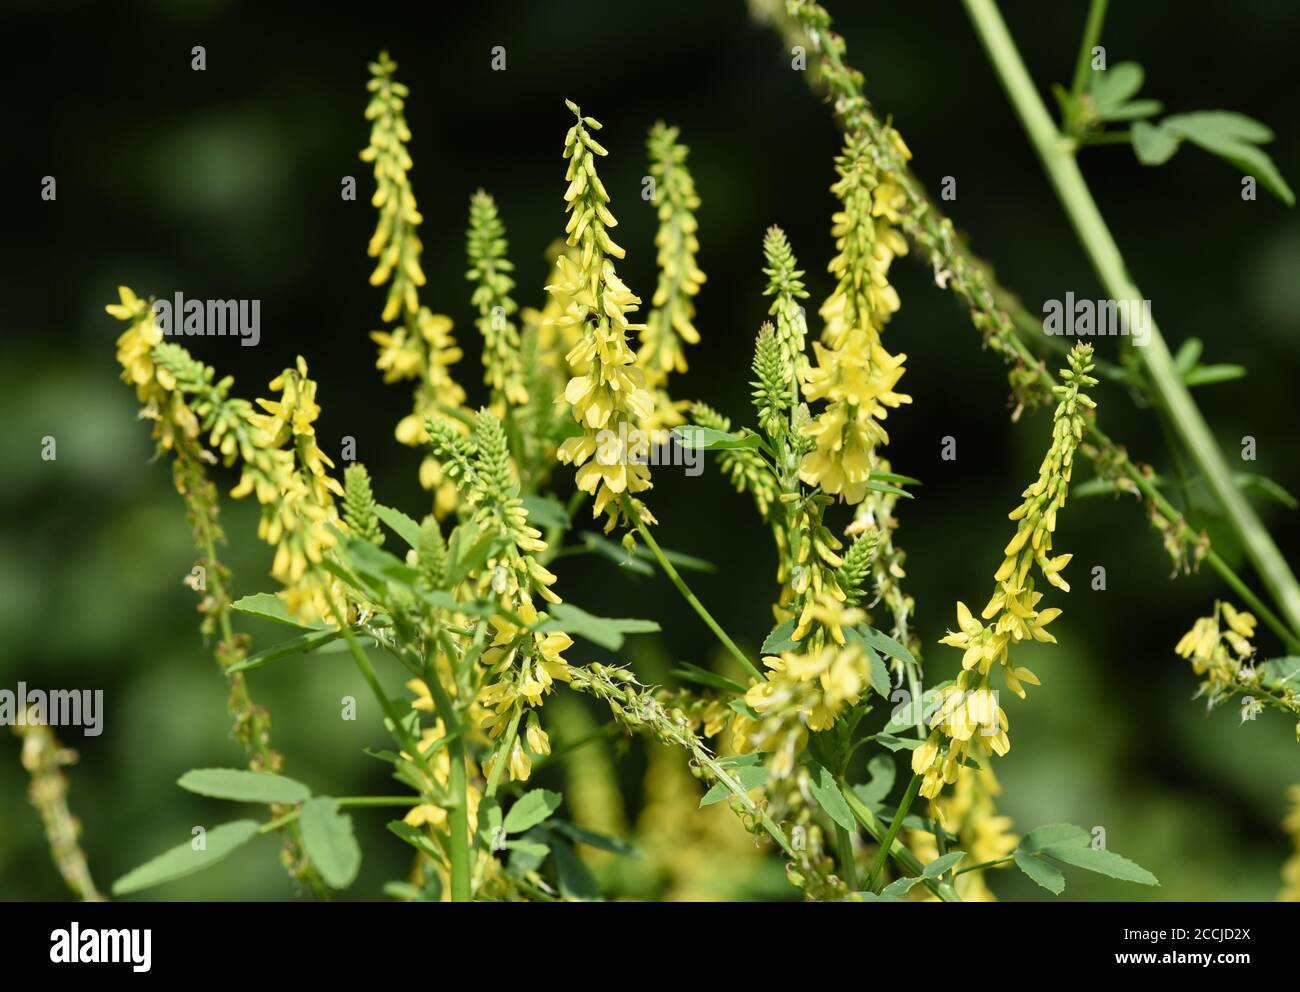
(225, 183)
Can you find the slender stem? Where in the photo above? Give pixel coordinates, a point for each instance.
(848, 864)
(913, 787)
(689, 596)
(897, 850)
(983, 864)
(1108, 138)
(458, 815)
(1072, 190)
(1091, 34)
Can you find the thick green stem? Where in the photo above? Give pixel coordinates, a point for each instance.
(1056, 153)
(848, 864)
(913, 787)
(689, 596)
(458, 815)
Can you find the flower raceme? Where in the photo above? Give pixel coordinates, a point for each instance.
(1012, 614)
(422, 346)
(853, 373)
(607, 393)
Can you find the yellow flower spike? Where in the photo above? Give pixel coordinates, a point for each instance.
(968, 716)
(607, 393)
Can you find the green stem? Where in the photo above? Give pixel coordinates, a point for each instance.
(503, 752)
(983, 864)
(458, 815)
(685, 590)
(1091, 34)
(1055, 152)
(897, 850)
(913, 787)
(848, 864)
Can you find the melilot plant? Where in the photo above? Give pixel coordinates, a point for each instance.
(463, 601)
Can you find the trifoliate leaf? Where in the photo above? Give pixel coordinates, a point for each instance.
(606, 632)
(829, 797)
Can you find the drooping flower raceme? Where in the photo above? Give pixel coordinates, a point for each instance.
(968, 719)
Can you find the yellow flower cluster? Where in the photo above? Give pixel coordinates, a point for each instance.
(1012, 614)
(422, 347)
(521, 663)
(281, 461)
(1221, 653)
(806, 690)
(853, 373)
(670, 323)
(607, 393)
(299, 516)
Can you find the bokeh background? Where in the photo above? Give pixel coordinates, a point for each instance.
(226, 183)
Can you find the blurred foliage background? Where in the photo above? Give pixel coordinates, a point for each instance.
(225, 183)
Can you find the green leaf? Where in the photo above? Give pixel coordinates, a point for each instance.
(689, 563)
(879, 674)
(546, 512)
(530, 809)
(1101, 862)
(1044, 873)
(572, 876)
(182, 860)
(744, 709)
(528, 852)
(616, 553)
(829, 797)
(884, 487)
(1234, 138)
(1218, 126)
(702, 676)
(1152, 144)
(1205, 375)
(747, 770)
(603, 842)
(268, 607)
(1264, 486)
(302, 644)
(606, 632)
(1189, 353)
(415, 837)
(1111, 89)
(1280, 671)
(1054, 834)
(402, 525)
(894, 477)
(898, 888)
(883, 774)
(468, 549)
(780, 639)
(708, 439)
(328, 840)
(940, 865)
(243, 786)
(898, 743)
(404, 891)
(885, 644)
